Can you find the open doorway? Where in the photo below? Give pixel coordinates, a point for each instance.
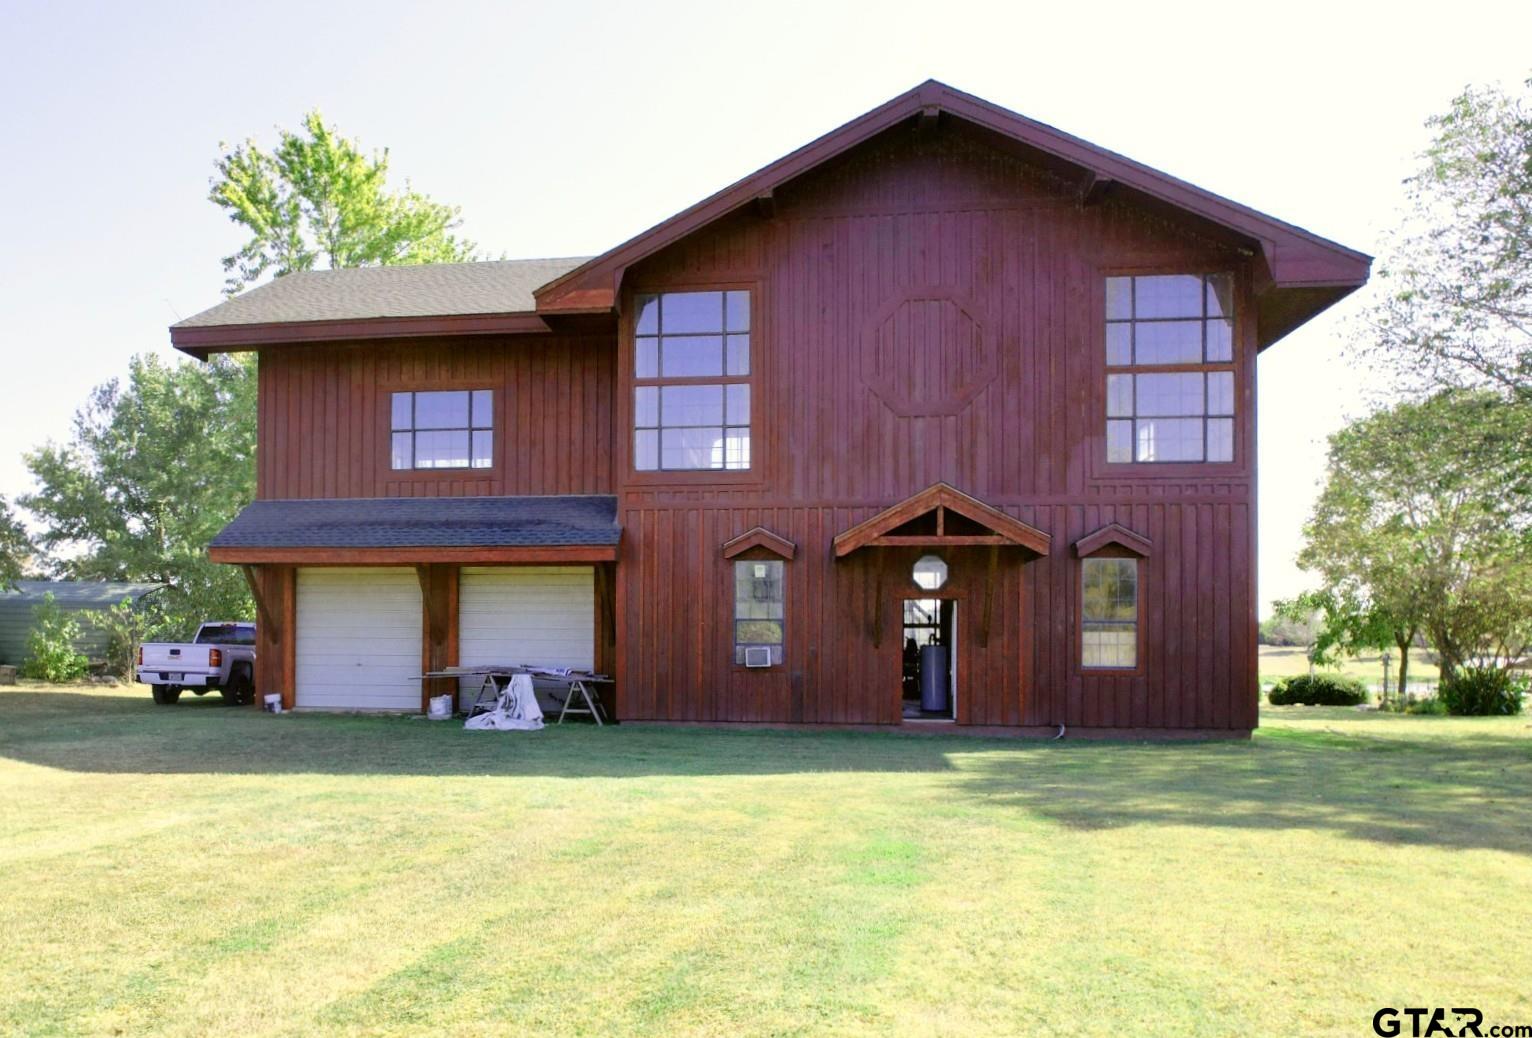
(929, 647)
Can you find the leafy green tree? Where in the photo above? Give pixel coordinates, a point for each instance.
(1423, 524)
(1456, 302)
(317, 196)
(155, 467)
(15, 546)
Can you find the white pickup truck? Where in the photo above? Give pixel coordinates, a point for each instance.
(221, 656)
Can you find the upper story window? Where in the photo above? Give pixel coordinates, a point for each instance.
(443, 429)
(691, 401)
(1170, 368)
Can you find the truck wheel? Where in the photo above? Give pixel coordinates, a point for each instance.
(240, 691)
(165, 695)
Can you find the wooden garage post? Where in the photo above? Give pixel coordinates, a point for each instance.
(287, 580)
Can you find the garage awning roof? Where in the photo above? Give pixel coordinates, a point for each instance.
(337, 531)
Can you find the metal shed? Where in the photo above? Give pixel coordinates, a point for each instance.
(81, 596)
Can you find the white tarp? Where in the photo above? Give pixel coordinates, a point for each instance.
(515, 709)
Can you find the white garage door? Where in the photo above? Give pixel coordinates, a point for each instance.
(359, 634)
(539, 615)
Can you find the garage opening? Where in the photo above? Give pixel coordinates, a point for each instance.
(358, 640)
(526, 615)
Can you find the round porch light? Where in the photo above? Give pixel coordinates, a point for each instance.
(930, 572)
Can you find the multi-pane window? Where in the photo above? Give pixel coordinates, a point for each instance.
(758, 608)
(1109, 613)
(443, 429)
(1170, 368)
(691, 365)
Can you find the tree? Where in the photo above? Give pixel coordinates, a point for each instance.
(318, 197)
(1424, 524)
(154, 469)
(1456, 301)
(15, 546)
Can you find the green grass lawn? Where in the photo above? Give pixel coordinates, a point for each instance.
(202, 870)
(1281, 661)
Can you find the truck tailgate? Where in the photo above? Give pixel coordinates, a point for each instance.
(168, 657)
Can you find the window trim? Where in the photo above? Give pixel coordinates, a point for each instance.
(1102, 470)
(382, 424)
(627, 382)
(414, 430)
(1112, 552)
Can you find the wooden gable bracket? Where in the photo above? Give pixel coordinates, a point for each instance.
(928, 119)
(759, 537)
(1113, 535)
(262, 608)
(940, 498)
(1094, 188)
(766, 204)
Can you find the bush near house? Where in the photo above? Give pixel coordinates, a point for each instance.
(1318, 690)
(1483, 692)
(51, 655)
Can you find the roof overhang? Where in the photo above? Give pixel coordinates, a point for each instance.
(1299, 273)
(203, 341)
(405, 555)
(411, 530)
(940, 498)
(1116, 536)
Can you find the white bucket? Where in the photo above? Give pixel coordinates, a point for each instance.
(440, 708)
(273, 703)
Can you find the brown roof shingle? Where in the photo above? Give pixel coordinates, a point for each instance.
(427, 290)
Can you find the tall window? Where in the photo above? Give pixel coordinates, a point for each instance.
(1109, 613)
(451, 429)
(1170, 368)
(758, 608)
(691, 403)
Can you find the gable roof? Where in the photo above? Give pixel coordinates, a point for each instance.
(1301, 273)
(500, 288)
(1114, 534)
(875, 531)
(1298, 273)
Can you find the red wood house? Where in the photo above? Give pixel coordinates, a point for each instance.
(946, 416)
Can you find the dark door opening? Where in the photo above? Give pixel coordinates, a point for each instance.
(929, 645)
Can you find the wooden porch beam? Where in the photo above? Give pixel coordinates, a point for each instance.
(988, 615)
(262, 609)
(939, 541)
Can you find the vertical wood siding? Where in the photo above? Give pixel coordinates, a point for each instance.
(324, 416)
(937, 253)
(941, 256)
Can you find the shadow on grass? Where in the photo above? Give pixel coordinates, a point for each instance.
(1426, 783)
(1431, 787)
(100, 733)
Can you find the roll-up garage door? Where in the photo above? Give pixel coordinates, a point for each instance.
(538, 615)
(359, 639)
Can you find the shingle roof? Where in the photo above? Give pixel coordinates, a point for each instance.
(78, 592)
(426, 290)
(410, 522)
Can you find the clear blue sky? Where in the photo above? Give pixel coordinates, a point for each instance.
(564, 128)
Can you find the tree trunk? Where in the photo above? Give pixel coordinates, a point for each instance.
(1404, 665)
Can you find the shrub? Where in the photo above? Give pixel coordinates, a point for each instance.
(1483, 692)
(51, 655)
(126, 625)
(1318, 690)
(1426, 705)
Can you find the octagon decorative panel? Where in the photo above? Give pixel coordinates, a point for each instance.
(925, 353)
